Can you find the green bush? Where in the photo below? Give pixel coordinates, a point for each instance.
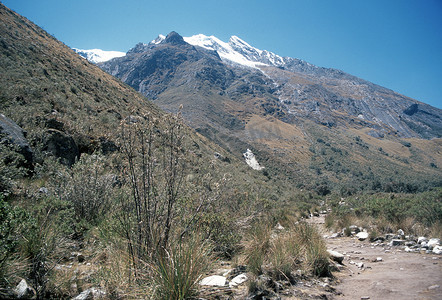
(13, 222)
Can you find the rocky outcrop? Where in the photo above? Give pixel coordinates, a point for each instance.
(60, 145)
(11, 133)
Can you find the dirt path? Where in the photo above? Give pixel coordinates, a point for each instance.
(400, 275)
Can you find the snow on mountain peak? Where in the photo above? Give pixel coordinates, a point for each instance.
(98, 55)
(236, 51)
(158, 40)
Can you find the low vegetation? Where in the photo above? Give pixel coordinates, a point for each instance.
(417, 214)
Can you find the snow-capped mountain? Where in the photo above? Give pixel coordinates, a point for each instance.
(237, 51)
(98, 55)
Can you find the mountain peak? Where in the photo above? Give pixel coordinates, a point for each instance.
(174, 39)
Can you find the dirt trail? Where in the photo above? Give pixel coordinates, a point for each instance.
(400, 275)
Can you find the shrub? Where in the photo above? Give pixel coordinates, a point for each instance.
(13, 221)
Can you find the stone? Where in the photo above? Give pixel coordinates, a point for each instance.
(397, 242)
(11, 133)
(279, 227)
(437, 249)
(61, 145)
(43, 190)
(90, 294)
(433, 242)
(335, 235)
(354, 228)
(360, 265)
(214, 280)
(365, 297)
(241, 278)
(23, 290)
(422, 239)
(389, 236)
(336, 256)
(400, 232)
(362, 236)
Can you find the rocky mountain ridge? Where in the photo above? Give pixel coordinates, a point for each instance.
(305, 90)
(280, 108)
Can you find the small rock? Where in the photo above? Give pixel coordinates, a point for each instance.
(43, 190)
(397, 242)
(354, 228)
(433, 242)
(422, 239)
(437, 250)
(80, 258)
(214, 280)
(336, 256)
(279, 227)
(238, 280)
(360, 265)
(23, 290)
(363, 235)
(433, 287)
(92, 293)
(389, 236)
(335, 235)
(400, 232)
(365, 297)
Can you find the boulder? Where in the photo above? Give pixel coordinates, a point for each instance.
(214, 280)
(61, 145)
(336, 256)
(11, 133)
(362, 236)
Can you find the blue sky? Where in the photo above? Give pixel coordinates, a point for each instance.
(393, 43)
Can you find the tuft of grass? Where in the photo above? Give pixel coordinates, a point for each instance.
(178, 269)
(284, 255)
(256, 248)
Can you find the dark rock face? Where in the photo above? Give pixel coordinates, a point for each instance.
(61, 146)
(10, 132)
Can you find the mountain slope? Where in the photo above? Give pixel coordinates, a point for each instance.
(55, 95)
(303, 122)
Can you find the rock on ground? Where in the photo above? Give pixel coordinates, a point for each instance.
(214, 280)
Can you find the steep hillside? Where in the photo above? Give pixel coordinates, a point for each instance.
(310, 125)
(68, 107)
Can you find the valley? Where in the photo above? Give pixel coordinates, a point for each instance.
(192, 168)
